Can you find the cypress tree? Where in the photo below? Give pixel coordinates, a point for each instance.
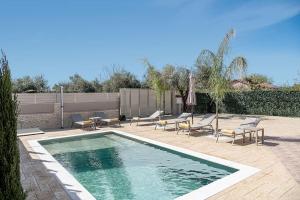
(10, 184)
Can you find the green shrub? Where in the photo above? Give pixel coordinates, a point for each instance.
(259, 102)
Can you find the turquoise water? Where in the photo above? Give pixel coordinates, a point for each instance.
(111, 166)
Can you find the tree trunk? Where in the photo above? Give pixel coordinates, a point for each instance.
(183, 98)
(184, 106)
(217, 118)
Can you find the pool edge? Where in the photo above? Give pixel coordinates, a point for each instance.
(70, 184)
(76, 191)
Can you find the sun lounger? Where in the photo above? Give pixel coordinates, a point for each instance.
(181, 118)
(243, 129)
(206, 122)
(78, 120)
(29, 131)
(106, 119)
(151, 118)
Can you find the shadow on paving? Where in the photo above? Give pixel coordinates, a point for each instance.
(292, 139)
(36, 180)
(288, 151)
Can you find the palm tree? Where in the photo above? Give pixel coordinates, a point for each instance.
(221, 74)
(157, 81)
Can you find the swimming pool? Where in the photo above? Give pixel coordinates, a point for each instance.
(117, 165)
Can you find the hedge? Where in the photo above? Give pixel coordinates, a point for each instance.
(259, 102)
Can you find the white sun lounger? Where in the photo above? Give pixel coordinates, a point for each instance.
(106, 119)
(181, 118)
(206, 122)
(151, 118)
(29, 131)
(244, 128)
(78, 120)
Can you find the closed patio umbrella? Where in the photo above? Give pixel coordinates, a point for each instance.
(191, 99)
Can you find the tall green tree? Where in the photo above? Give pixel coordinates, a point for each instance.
(120, 78)
(10, 184)
(180, 82)
(203, 72)
(169, 77)
(29, 84)
(96, 83)
(77, 83)
(158, 81)
(255, 80)
(221, 74)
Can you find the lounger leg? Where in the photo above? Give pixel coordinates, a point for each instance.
(256, 139)
(218, 134)
(233, 139)
(178, 131)
(250, 138)
(155, 126)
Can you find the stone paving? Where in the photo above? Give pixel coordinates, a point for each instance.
(278, 160)
(288, 150)
(36, 180)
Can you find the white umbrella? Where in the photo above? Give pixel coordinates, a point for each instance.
(191, 99)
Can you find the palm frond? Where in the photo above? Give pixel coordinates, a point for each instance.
(224, 46)
(206, 58)
(238, 67)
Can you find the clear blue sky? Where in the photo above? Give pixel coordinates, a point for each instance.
(58, 38)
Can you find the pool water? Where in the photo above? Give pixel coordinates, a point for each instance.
(111, 166)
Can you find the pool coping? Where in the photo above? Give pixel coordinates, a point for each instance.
(77, 192)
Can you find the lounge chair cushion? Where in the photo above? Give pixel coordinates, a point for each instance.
(174, 121)
(84, 123)
(184, 125)
(88, 122)
(227, 131)
(162, 122)
(111, 120)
